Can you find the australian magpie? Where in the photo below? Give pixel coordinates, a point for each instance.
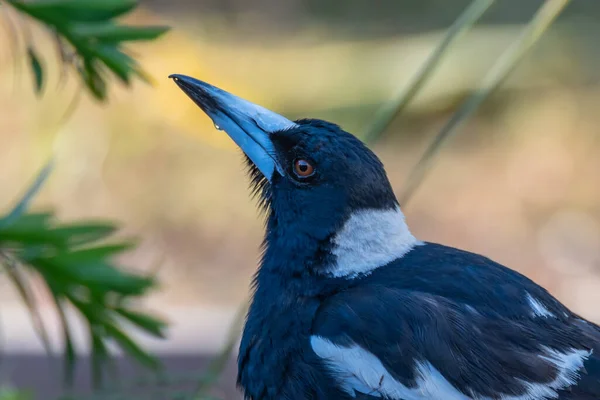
(348, 304)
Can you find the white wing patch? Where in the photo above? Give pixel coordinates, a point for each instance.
(537, 308)
(568, 364)
(358, 370)
(370, 239)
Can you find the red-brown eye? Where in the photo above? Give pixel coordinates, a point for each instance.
(303, 168)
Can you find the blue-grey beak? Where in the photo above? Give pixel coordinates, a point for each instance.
(248, 124)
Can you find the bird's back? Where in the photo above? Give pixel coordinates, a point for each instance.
(470, 279)
(441, 323)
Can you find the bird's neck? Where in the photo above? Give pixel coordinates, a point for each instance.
(364, 240)
(369, 239)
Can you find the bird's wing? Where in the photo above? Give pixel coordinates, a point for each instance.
(398, 344)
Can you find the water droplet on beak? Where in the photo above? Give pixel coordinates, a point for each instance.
(217, 127)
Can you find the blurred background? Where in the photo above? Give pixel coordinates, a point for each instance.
(519, 184)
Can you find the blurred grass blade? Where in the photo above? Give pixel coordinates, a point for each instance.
(388, 112)
(13, 39)
(217, 365)
(22, 205)
(64, 57)
(36, 68)
(72, 106)
(508, 61)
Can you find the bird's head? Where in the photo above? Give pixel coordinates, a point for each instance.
(324, 191)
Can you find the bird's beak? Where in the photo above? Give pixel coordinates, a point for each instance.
(248, 124)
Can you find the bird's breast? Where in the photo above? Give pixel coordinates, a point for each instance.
(275, 340)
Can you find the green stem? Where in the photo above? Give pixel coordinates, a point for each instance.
(389, 111)
(507, 62)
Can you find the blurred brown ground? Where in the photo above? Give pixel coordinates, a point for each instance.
(521, 184)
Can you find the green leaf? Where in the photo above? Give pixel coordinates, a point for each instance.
(111, 33)
(94, 312)
(78, 10)
(95, 275)
(92, 78)
(147, 322)
(21, 283)
(70, 357)
(36, 68)
(33, 9)
(93, 253)
(22, 205)
(80, 233)
(130, 347)
(143, 75)
(26, 236)
(61, 236)
(39, 220)
(117, 61)
(99, 355)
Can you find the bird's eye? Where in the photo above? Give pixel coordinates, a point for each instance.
(303, 169)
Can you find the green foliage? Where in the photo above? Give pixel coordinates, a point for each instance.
(89, 39)
(76, 263)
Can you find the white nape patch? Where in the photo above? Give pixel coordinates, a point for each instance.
(357, 370)
(568, 364)
(369, 239)
(538, 309)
